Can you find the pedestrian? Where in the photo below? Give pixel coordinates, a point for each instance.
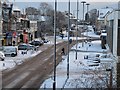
(13, 43)
(3, 64)
(70, 41)
(62, 36)
(63, 51)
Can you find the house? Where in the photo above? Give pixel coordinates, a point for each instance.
(6, 22)
(101, 16)
(14, 23)
(113, 31)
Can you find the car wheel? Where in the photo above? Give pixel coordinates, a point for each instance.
(13, 55)
(2, 59)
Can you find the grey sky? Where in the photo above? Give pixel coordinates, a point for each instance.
(63, 6)
(64, 0)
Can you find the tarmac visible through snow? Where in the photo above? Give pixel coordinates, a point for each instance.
(84, 72)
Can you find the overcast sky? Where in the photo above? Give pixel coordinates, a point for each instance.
(63, 4)
(64, 0)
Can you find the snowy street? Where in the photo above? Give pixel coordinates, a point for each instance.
(88, 71)
(11, 62)
(59, 44)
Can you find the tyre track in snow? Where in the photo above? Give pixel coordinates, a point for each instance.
(25, 71)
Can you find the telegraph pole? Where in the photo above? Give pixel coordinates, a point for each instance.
(54, 82)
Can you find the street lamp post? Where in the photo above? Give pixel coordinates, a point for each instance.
(87, 18)
(87, 7)
(83, 2)
(77, 29)
(54, 82)
(68, 38)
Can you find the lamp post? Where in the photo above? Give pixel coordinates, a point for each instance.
(87, 10)
(87, 18)
(77, 29)
(87, 7)
(68, 38)
(83, 2)
(54, 82)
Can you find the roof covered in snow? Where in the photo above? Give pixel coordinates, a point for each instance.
(103, 34)
(103, 12)
(15, 8)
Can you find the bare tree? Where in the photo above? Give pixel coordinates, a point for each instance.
(45, 8)
(31, 11)
(60, 20)
(46, 11)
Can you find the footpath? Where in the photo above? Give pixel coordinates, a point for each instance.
(98, 70)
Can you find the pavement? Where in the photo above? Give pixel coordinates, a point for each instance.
(84, 73)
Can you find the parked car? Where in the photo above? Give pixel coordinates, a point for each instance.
(24, 46)
(98, 32)
(31, 47)
(36, 43)
(10, 50)
(2, 56)
(45, 41)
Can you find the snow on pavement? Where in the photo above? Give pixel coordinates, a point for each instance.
(84, 73)
(91, 47)
(11, 62)
(91, 34)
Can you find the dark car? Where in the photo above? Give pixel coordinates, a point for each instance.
(36, 43)
(45, 41)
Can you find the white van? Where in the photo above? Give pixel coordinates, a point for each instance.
(10, 50)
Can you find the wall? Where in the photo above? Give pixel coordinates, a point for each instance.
(33, 28)
(118, 40)
(110, 35)
(113, 32)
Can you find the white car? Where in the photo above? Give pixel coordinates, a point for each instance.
(10, 50)
(2, 56)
